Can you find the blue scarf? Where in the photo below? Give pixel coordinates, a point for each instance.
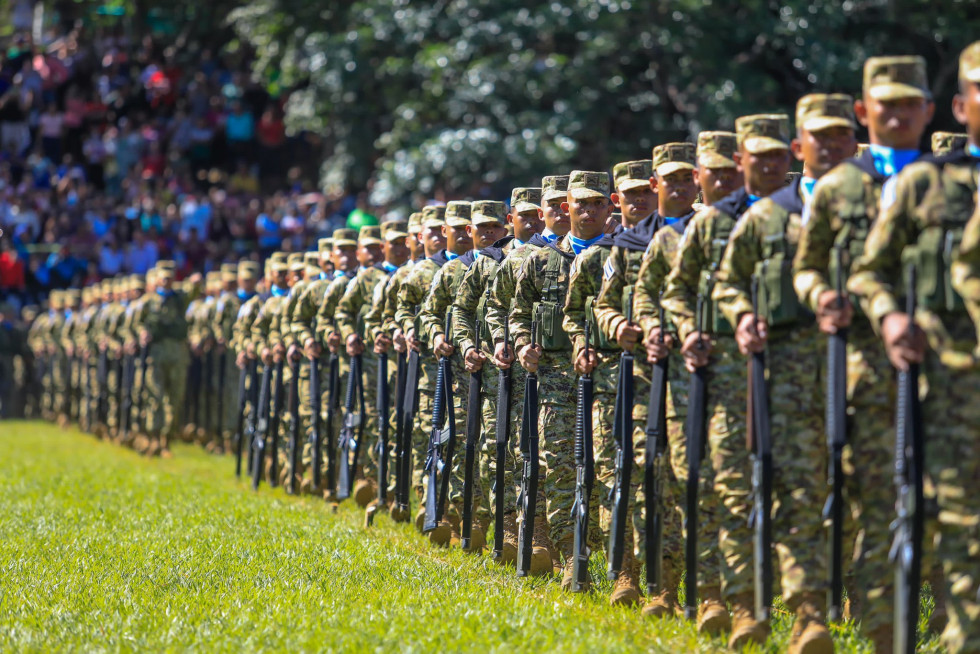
(668, 220)
(974, 150)
(518, 242)
(549, 236)
(450, 256)
(337, 274)
(245, 296)
(752, 199)
(579, 245)
(389, 267)
(323, 275)
(889, 161)
(279, 292)
(164, 293)
(68, 313)
(807, 184)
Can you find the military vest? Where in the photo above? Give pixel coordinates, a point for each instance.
(550, 310)
(726, 214)
(778, 302)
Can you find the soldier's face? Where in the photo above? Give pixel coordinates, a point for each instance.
(344, 258)
(822, 150)
(765, 172)
(458, 240)
(432, 240)
(588, 215)
(526, 223)
(966, 109)
(369, 255)
(636, 203)
(716, 183)
(895, 123)
(415, 245)
(486, 234)
(246, 285)
(396, 252)
(677, 192)
(556, 216)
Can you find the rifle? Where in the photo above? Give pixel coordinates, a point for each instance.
(836, 428)
(274, 419)
(623, 433)
(251, 426)
(695, 429)
(120, 390)
(473, 421)
(906, 550)
(502, 436)
(381, 390)
(409, 408)
(584, 476)
(293, 425)
(761, 446)
(69, 387)
(333, 403)
(261, 427)
(438, 489)
(194, 389)
(103, 377)
(240, 429)
(527, 500)
(352, 421)
(653, 468)
(220, 420)
(142, 386)
(126, 406)
(403, 448)
(316, 444)
(207, 391)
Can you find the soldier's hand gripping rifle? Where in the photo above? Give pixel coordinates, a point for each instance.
(623, 433)
(473, 421)
(836, 428)
(409, 407)
(381, 392)
(654, 468)
(316, 441)
(527, 500)
(501, 439)
(584, 476)
(906, 551)
(695, 432)
(241, 432)
(760, 443)
(349, 429)
(441, 443)
(293, 426)
(261, 426)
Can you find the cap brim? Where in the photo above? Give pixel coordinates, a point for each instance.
(818, 123)
(457, 222)
(630, 184)
(586, 194)
(715, 160)
(344, 243)
(228, 277)
(759, 144)
(370, 241)
(972, 75)
(433, 223)
(895, 92)
(525, 206)
(554, 195)
(487, 220)
(394, 236)
(279, 267)
(673, 167)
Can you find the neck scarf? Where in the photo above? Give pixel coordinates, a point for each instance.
(389, 267)
(579, 245)
(549, 236)
(889, 161)
(279, 292)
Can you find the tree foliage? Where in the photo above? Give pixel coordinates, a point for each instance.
(471, 97)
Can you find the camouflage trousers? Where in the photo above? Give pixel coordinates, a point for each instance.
(113, 388)
(166, 375)
(59, 385)
(518, 377)
(226, 420)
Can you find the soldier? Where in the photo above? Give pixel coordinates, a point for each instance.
(192, 408)
(249, 303)
(947, 142)
(73, 324)
(896, 108)
(127, 338)
(133, 323)
(224, 314)
(164, 333)
(433, 238)
(761, 247)
(540, 296)
(928, 217)
(386, 247)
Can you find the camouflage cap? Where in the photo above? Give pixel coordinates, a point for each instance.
(229, 272)
(717, 149)
(525, 198)
(369, 235)
(763, 132)
(120, 285)
(277, 262)
(166, 270)
(946, 142)
(817, 111)
(434, 215)
(393, 230)
(458, 213)
(56, 299)
(489, 212)
(212, 279)
(970, 63)
(87, 294)
(136, 282)
(248, 270)
(72, 297)
(295, 262)
(415, 222)
(29, 313)
(345, 237)
(324, 245)
(894, 78)
(554, 187)
(671, 157)
(583, 184)
(628, 175)
(312, 258)
(151, 276)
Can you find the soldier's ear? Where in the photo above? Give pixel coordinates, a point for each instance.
(959, 109)
(615, 199)
(564, 207)
(540, 214)
(796, 146)
(861, 112)
(654, 184)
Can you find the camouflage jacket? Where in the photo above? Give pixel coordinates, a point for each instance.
(326, 314)
(584, 284)
(502, 289)
(389, 304)
(470, 305)
(658, 261)
(164, 317)
(262, 334)
(533, 282)
(439, 300)
(356, 301)
(225, 314)
(241, 333)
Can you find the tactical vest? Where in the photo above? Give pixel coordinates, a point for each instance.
(713, 320)
(550, 310)
(856, 215)
(778, 302)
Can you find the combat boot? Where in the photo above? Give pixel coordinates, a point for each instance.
(626, 592)
(745, 628)
(541, 561)
(187, 433)
(420, 518)
(398, 514)
(442, 534)
(661, 605)
(810, 633)
(939, 617)
(508, 553)
(478, 540)
(365, 490)
(713, 617)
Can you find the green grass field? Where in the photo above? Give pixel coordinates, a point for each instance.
(105, 550)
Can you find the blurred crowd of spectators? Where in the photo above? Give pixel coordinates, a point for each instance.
(115, 154)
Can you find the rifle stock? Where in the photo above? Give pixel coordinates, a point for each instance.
(836, 429)
(527, 501)
(277, 400)
(261, 426)
(623, 433)
(409, 408)
(473, 420)
(656, 446)
(293, 426)
(345, 481)
(695, 431)
(240, 429)
(760, 436)
(584, 476)
(383, 417)
(316, 443)
(501, 438)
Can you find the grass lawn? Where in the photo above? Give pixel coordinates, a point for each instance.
(105, 550)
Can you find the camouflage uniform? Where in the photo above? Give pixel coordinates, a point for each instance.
(225, 313)
(947, 142)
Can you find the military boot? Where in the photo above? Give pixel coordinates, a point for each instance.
(626, 592)
(745, 628)
(365, 490)
(810, 633)
(442, 534)
(420, 518)
(663, 604)
(541, 561)
(713, 617)
(478, 540)
(508, 553)
(939, 617)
